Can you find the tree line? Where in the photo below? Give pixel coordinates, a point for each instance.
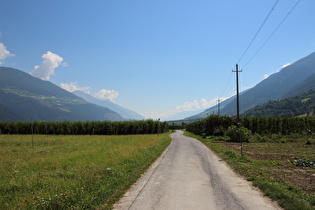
(215, 125)
(84, 128)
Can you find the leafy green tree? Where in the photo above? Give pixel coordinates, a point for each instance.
(240, 134)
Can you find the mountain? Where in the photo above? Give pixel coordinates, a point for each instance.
(125, 113)
(211, 110)
(301, 87)
(24, 98)
(287, 82)
(180, 115)
(300, 105)
(275, 86)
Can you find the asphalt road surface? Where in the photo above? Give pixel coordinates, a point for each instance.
(189, 176)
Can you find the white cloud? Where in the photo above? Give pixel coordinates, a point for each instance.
(47, 67)
(283, 66)
(4, 53)
(196, 105)
(106, 94)
(286, 65)
(73, 86)
(188, 106)
(205, 104)
(155, 115)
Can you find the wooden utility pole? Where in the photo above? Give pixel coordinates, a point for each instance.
(219, 106)
(237, 97)
(238, 122)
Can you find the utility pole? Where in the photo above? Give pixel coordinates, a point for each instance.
(237, 96)
(238, 108)
(219, 106)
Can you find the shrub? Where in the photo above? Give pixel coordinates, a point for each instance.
(238, 134)
(219, 131)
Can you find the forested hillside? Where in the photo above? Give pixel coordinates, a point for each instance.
(302, 104)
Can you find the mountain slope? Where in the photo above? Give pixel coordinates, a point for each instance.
(303, 86)
(275, 86)
(302, 104)
(23, 97)
(180, 115)
(125, 113)
(285, 83)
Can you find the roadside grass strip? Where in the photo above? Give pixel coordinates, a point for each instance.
(72, 172)
(273, 176)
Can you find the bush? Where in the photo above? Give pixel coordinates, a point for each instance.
(238, 134)
(219, 131)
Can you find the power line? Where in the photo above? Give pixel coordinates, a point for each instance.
(227, 85)
(272, 8)
(273, 32)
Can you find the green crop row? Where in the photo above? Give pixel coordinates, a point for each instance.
(215, 124)
(84, 128)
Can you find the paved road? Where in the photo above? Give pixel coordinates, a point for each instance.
(189, 176)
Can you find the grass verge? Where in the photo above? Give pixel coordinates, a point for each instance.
(263, 174)
(72, 172)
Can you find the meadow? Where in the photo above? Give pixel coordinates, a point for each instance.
(282, 167)
(72, 171)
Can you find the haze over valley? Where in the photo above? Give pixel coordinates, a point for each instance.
(151, 60)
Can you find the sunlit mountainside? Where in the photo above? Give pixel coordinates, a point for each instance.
(289, 81)
(24, 98)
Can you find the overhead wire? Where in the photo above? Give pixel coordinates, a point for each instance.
(259, 29)
(227, 85)
(263, 23)
(261, 26)
(272, 33)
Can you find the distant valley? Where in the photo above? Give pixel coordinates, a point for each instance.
(125, 113)
(25, 98)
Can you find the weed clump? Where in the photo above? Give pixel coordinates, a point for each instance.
(303, 163)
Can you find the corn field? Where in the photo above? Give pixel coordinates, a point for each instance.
(258, 125)
(84, 128)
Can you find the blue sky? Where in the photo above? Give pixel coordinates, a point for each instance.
(156, 57)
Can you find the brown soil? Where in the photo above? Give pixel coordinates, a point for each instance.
(281, 154)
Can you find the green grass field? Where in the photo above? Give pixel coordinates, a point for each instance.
(72, 172)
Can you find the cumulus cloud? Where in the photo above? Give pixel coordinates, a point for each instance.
(188, 106)
(4, 53)
(286, 65)
(73, 86)
(195, 105)
(106, 94)
(47, 67)
(266, 76)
